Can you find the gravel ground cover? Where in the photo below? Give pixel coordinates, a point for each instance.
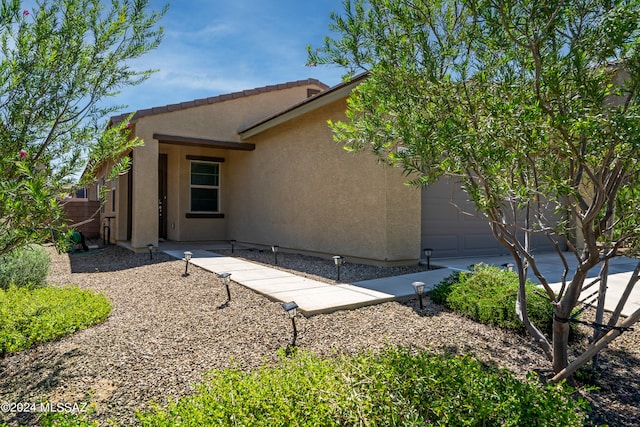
(166, 331)
(323, 270)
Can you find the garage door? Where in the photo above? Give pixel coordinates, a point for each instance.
(451, 231)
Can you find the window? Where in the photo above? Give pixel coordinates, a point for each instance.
(205, 187)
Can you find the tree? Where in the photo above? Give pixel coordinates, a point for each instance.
(532, 106)
(58, 64)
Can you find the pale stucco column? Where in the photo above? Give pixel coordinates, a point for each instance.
(144, 226)
(120, 227)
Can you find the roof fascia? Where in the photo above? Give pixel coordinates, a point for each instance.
(324, 98)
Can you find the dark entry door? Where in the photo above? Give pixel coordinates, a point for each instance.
(162, 196)
(130, 198)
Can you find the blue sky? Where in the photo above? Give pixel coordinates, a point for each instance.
(211, 47)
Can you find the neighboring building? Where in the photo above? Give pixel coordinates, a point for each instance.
(261, 167)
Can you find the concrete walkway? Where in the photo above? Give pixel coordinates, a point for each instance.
(314, 297)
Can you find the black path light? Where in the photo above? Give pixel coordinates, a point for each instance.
(291, 308)
(275, 249)
(233, 245)
(508, 266)
(418, 287)
(187, 258)
(150, 247)
(338, 260)
(226, 277)
(427, 253)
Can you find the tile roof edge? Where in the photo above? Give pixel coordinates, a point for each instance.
(218, 98)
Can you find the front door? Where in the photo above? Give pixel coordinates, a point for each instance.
(162, 196)
(130, 197)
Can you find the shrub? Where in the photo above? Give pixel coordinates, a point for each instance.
(32, 316)
(26, 266)
(488, 294)
(394, 387)
(67, 419)
(442, 290)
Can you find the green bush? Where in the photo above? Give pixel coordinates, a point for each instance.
(394, 387)
(32, 316)
(67, 419)
(27, 266)
(488, 294)
(441, 291)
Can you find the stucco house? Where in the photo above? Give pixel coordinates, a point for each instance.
(261, 167)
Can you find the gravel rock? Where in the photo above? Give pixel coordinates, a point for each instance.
(166, 331)
(323, 270)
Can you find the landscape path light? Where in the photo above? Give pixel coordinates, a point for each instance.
(275, 249)
(508, 266)
(187, 258)
(291, 308)
(427, 253)
(233, 245)
(226, 277)
(150, 247)
(418, 288)
(338, 260)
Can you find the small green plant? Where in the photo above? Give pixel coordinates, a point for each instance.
(66, 419)
(25, 266)
(394, 387)
(442, 290)
(32, 316)
(488, 295)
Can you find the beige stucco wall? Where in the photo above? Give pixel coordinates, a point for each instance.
(302, 191)
(217, 121)
(297, 189)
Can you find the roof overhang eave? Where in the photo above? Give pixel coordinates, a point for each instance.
(202, 142)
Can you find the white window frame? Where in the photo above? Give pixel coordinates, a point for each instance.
(211, 187)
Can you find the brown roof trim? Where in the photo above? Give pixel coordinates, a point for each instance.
(327, 96)
(201, 142)
(219, 98)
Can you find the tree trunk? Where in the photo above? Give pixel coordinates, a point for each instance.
(561, 319)
(602, 294)
(560, 340)
(596, 347)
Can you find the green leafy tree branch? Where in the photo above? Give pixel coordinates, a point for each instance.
(59, 63)
(532, 107)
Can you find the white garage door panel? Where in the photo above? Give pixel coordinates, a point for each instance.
(443, 244)
(479, 242)
(452, 233)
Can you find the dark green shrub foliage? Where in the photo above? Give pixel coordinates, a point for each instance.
(442, 290)
(27, 266)
(394, 388)
(488, 295)
(32, 316)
